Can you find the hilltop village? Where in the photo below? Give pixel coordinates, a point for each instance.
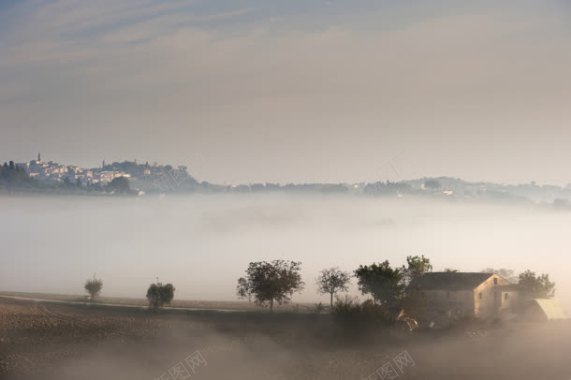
(139, 178)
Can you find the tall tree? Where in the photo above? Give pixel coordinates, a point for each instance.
(274, 282)
(331, 281)
(416, 267)
(383, 283)
(536, 286)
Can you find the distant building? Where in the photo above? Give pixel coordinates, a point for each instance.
(52, 172)
(106, 176)
(442, 297)
(451, 295)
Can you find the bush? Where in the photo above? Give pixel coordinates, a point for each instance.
(351, 314)
(160, 295)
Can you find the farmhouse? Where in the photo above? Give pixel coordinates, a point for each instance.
(452, 295)
(442, 297)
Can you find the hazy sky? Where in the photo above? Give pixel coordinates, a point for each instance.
(270, 90)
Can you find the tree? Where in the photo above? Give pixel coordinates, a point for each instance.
(416, 267)
(119, 185)
(93, 286)
(159, 295)
(244, 289)
(275, 281)
(13, 176)
(381, 281)
(536, 286)
(432, 184)
(331, 281)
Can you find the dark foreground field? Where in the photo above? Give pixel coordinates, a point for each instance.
(51, 341)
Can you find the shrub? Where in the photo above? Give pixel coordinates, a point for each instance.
(160, 295)
(352, 315)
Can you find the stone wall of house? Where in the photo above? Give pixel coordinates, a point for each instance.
(435, 305)
(510, 301)
(488, 298)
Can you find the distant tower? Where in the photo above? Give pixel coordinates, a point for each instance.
(39, 157)
(103, 164)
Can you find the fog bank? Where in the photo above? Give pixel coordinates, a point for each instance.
(202, 244)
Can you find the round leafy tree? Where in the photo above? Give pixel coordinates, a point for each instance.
(160, 295)
(271, 282)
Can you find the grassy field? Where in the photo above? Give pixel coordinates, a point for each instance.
(190, 304)
(40, 340)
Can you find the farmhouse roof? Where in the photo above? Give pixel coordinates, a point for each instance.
(450, 280)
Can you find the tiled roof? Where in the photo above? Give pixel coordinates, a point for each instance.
(449, 280)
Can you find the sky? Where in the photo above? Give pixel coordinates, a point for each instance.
(292, 91)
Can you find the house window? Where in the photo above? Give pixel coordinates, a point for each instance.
(480, 295)
(506, 296)
(495, 281)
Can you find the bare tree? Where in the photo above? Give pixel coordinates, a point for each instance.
(331, 281)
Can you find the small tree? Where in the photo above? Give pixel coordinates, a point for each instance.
(331, 281)
(536, 286)
(416, 267)
(93, 286)
(160, 295)
(275, 281)
(244, 289)
(381, 281)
